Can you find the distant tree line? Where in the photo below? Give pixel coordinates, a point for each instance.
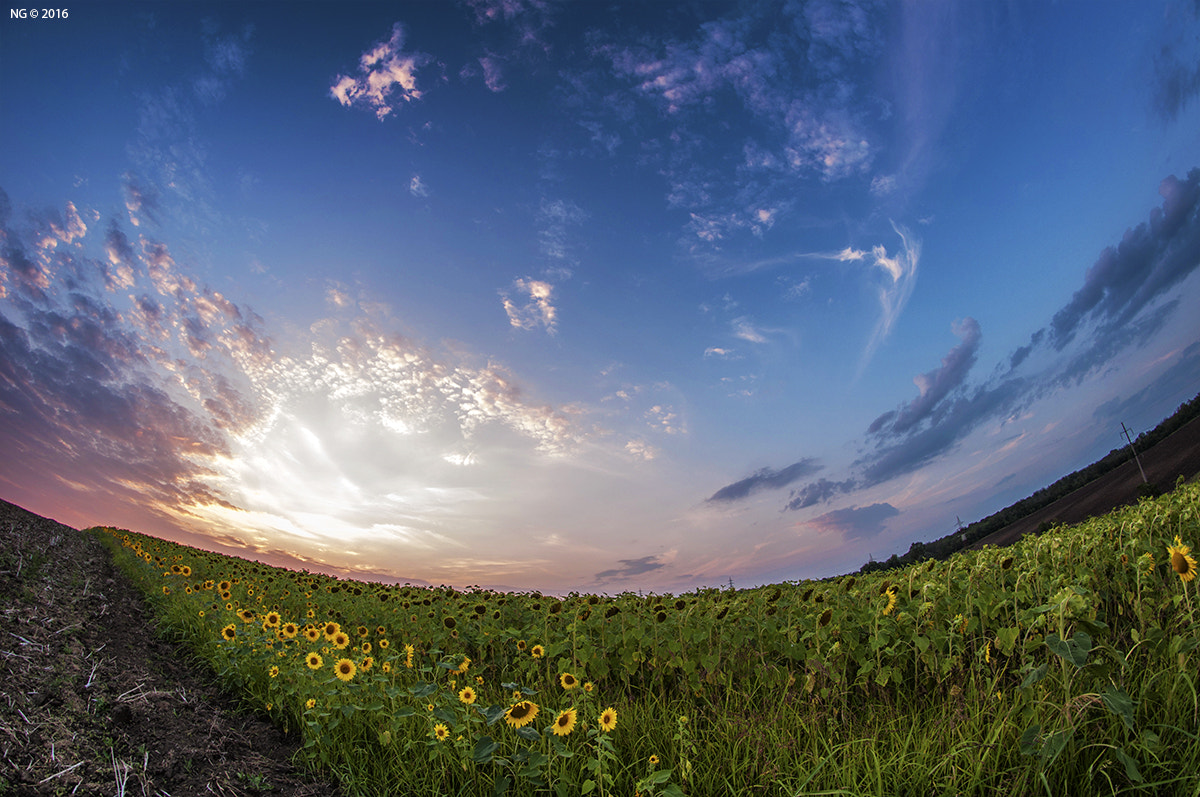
(952, 543)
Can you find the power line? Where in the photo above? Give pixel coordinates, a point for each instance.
(1136, 458)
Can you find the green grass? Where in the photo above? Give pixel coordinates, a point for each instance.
(1064, 664)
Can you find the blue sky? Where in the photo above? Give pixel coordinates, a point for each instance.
(582, 296)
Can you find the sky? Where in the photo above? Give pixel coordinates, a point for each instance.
(587, 296)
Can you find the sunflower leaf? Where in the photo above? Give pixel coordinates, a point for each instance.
(1074, 650)
(1131, 770)
(529, 734)
(422, 690)
(1118, 702)
(484, 748)
(1029, 739)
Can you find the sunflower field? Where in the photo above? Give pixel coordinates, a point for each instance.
(1064, 664)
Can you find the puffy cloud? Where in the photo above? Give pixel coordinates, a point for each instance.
(493, 73)
(630, 568)
(417, 186)
(855, 522)
(933, 385)
(1125, 298)
(387, 77)
(818, 492)
(766, 479)
(1151, 258)
(536, 310)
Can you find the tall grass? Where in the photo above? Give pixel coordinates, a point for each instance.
(1063, 664)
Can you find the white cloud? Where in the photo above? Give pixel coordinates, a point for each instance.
(744, 329)
(894, 291)
(387, 77)
(417, 187)
(536, 310)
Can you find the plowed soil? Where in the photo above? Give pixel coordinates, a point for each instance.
(94, 702)
(1176, 455)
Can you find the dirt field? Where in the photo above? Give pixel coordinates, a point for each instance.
(1177, 455)
(94, 703)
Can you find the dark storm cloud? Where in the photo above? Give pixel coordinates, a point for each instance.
(818, 492)
(1123, 302)
(631, 567)
(1151, 258)
(766, 479)
(856, 522)
(934, 385)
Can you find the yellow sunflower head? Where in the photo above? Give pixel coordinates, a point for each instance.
(567, 681)
(467, 695)
(313, 661)
(608, 719)
(344, 669)
(564, 723)
(1182, 561)
(537, 651)
(521, 714)
(441, 732)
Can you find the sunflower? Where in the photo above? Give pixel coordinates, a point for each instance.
(366, 647)
(272, 620)
(408, 656)
(608, 719)
(363, 631)
(653, 760)
(310, 703)
(521, 644)
(441, 732)
(891, 604)
(386, 667)
(567, 681)
(274, 671)
(289, 630)
(312, 633)
(246, 615)
(366, 664)
(588, 686)
(314, 661)
(537, 651)
(521, 714)
(166, 590)
(331, 629)
(383, 644)
(564, 723)
(466, 695)
(344, 669)
(229, 632)
(1181, 559)
(340, 640)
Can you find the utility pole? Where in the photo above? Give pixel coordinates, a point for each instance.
(1135, 454)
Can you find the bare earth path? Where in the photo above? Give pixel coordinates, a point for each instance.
(93, 702)
(1176, 455)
